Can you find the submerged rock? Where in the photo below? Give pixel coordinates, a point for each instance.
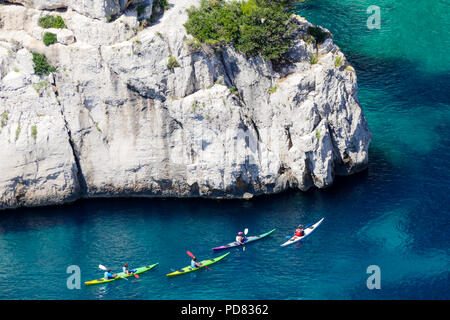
(115, 120)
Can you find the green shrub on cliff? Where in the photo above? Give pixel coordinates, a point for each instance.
(314, 58)
(214, 22)
(48, 21)
(18, 131)
(40, 86)
(49, 38)
(140, 10)
(172, 63)
(4, 119)
(254, 27)
(34, 132)
(158, 7)
(234, 90)
(193, 44)
(41, 66)
(319, 35)
(265, 31)
(164, 4)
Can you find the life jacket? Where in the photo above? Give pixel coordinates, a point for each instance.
(299, 232)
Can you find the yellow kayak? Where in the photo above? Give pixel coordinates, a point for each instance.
(122, 275)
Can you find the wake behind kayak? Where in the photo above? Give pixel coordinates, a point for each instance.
(249, 239)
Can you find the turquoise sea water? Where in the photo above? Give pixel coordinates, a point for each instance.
(394, 215)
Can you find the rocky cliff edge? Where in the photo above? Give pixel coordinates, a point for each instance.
(115, 120)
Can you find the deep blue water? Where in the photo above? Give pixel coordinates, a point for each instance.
(394, 215)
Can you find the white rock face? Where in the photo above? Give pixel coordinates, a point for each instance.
(115, 120)
(97, 9)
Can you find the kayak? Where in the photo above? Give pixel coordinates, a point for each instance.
(308, 231)
(122, 275)
(204, 263)
(249, 239)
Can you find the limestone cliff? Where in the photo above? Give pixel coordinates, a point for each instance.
(115, 120)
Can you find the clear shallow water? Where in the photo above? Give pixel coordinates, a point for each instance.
(395, 215)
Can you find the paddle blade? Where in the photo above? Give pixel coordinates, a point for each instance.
(102, 267)
(136, 276)
(288, 237)
(245, 233)
(207, 268)
(190, 254)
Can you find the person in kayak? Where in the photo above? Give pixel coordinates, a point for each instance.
(299, 232)
(109, 275)
(195, 264)
(240, 238)
(126, 270)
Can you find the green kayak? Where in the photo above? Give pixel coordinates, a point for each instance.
(204, 263)
(248, 240)
(122, 275)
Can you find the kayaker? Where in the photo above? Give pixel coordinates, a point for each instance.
(109, 275)
(125, 269)
(299, 232)
(195, 264)
(240, 238)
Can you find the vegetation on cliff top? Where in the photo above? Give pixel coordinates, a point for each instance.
(318, 34)
(254, 27)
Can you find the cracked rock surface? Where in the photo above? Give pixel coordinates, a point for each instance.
(115, 120)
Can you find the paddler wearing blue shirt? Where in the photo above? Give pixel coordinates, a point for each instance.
(195, 264)
(109, 275)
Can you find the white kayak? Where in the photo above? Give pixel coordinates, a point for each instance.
(308, 231)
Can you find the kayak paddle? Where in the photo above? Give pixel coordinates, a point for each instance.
(245, 233)
(308, 225)
(193, 257)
